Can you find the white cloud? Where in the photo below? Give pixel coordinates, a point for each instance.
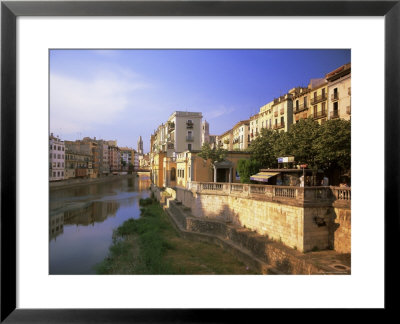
(77, 105)
(218, 112)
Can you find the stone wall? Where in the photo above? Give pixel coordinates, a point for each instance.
(280, 258)
(299, 227)
(341, 230)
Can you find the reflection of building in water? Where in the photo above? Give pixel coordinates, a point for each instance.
(56, 225)
(96, 212)
(144, 181)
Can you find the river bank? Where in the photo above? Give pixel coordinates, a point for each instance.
(63, 184)
(152, 245)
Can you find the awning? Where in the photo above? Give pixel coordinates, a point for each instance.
(263, 176)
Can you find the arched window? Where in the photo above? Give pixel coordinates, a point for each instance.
(173, 174)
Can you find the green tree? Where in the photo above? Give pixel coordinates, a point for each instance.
(246, 168)
(300, 141)
(214, 154)
(264, 149)
(332, 147)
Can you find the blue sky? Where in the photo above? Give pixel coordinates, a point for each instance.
(122, 94)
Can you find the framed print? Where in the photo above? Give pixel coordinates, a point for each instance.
(38, 37)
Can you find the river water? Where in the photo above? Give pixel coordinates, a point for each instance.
(82, 220)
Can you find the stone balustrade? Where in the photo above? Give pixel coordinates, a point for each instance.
(287, 194)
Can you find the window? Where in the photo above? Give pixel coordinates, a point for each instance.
(173, 174)
(335, 107)
(189, 147)
(282, 121)
(323, 92)
(323, 107)
(315, 110)
(54, 174)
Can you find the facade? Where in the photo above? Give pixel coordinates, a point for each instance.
(96, 149)
(78, 165)
(157, 169)
(301, 104)
(226, 140)
(104, 165)
(282, 109)
(318, 100)
(241, 135)
(127, 155)
(114, 158)
(144, 161)
(339, 93)
(254, 128)
(56, 158)
(183, 132)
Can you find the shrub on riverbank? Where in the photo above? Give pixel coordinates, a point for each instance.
(145, 232)
(145, 202)
(151, 245)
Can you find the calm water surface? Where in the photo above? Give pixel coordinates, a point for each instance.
(82, 220)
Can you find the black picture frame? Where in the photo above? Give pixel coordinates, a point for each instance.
(10, 10)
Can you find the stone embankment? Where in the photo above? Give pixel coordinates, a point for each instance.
(70, 183)
(262, 254)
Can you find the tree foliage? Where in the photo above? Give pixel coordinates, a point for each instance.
(333, 145)
(214, 154)
(323, 146)
(247, 168)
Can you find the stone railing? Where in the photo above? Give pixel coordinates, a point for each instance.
(289, 194)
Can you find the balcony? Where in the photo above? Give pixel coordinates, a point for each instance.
(317, 99)
(300, 108)
(335, 96)
(171, 127)
(189, 138)
(278, 126)
(334, 114)
(319, 114)
(189, 125)
(282, 111)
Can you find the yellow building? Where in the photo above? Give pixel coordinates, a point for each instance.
(339, 92)
(226, 140)
(190, 167)
(318, 100)
(282, 109)
(301, 104)
(266, 116)
(241, 135)
(157, 169)
(254, 128)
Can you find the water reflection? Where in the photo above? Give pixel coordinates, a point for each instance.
(82, 220)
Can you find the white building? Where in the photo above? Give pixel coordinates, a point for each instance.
(183, 132)
(56, 158)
